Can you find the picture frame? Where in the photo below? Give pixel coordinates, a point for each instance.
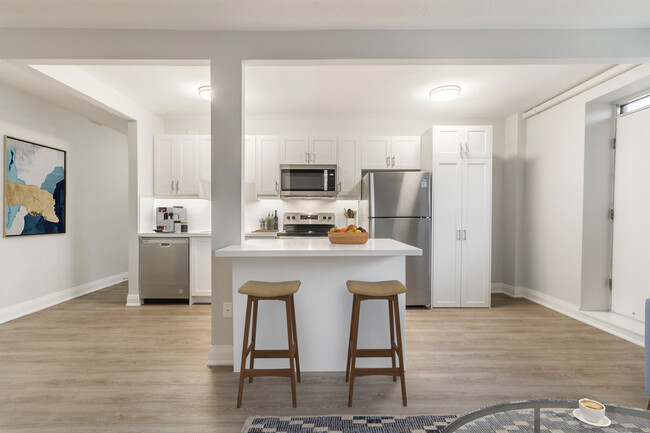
(34, 189)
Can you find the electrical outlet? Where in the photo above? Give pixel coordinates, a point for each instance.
(227, 310)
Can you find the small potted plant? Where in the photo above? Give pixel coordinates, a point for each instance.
(263, 223)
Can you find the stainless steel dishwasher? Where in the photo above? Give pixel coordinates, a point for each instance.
(164, 268)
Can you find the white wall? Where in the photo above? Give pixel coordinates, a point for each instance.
(194, 126)
(298, 125)
(554, 191)
(94, 246)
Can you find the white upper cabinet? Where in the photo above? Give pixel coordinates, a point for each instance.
(308, 150)
(267, 167)
(322, 150)
(376, 153)
(391, 153)
(406, 153)
(249, 158)
(164, 179)
(176, 165)
(294, 150)
(463, 141)
(205, 146)
(349, 168)
(478, 142)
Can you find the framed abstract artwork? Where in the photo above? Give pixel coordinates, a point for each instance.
(34, 189)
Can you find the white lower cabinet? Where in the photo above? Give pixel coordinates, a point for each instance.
(462, 214)
(200, 269)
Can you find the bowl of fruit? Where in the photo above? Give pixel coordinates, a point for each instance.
(350, 235)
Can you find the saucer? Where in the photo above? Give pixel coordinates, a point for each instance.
(605, 422)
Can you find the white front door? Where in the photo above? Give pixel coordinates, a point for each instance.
(631, 246)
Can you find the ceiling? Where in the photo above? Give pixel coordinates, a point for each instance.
(324, 14)
(488, 91)
(171, 92)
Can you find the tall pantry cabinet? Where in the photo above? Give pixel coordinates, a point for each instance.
(462, 214)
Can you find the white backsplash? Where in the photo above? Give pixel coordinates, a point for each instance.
(255, 209)
(198, 212)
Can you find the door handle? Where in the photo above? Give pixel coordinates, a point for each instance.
(460, 151)
(306, 157)
(177, 182)
(388, 161)
(464, 235)
(338, 187)
(277, 187)
(466, 149)
(172, 187)
(393, 161)
(457, 235)
(165, 245)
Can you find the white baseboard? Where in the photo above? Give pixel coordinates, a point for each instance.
(24, 308)
(133, 301)
(570, 310)
(220, 355)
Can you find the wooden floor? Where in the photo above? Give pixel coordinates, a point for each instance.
(94, 365)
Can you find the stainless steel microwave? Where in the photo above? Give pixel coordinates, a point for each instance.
(310, 181)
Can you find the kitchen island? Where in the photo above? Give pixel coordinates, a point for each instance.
(323, 303)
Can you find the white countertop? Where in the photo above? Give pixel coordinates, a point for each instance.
(316, 247)
(174, 235)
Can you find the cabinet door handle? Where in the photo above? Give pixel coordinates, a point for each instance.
(338, 187)
(306, 157)
(277, 187)
(457, 235)
(460, 149)
(388, 161)
(177, 185)
(464, 235)
(466, 149)
(393, 165)
(172, 187)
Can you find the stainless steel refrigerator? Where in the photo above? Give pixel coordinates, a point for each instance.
(397, 205)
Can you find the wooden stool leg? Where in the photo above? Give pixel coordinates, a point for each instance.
(292, 366)
(392, 334)
(244, 352)
(399, 348)
(253, 335)
(347, 365)
(355, 334)
(295, 337)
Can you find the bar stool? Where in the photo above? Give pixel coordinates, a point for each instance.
(363, 291)
(264, 291)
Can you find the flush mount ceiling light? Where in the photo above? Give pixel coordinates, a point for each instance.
(206, 92)
(444, 93)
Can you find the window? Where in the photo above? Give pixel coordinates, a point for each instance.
(636, 104)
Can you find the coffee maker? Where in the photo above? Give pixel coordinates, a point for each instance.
(169, 219)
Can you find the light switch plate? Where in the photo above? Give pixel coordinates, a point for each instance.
(227, 310)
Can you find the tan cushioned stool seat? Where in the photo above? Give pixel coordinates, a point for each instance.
(266, 289)
(379, 288)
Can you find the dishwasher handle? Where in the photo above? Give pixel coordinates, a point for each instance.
(165, 243)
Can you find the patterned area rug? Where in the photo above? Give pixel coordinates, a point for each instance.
(348, 424)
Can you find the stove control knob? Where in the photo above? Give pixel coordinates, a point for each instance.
(329, 217)
(288, 217)
(293, 217)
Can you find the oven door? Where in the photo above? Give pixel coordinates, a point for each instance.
(307, 181)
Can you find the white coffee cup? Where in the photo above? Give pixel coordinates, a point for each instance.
(591, 409)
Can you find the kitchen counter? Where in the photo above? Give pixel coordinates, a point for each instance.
(173, 235)
(316, 247)
(323, 303)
